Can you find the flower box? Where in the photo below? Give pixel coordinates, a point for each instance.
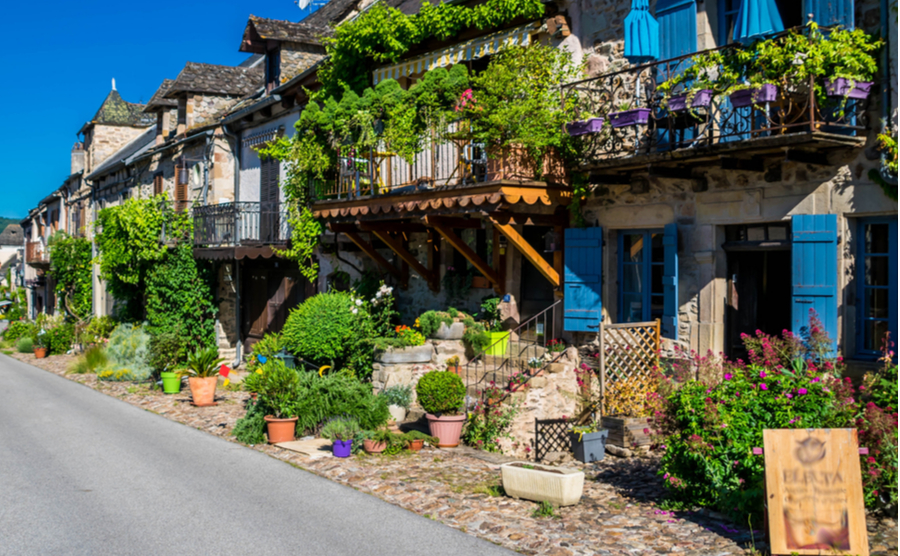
(747, 97)
(412, 354)
(701, 99)
(453, 332)
(846, 88)
(626, 118)
(584, 127)
(557, 485)
(590, 446)
(626, 432)
(480, 282)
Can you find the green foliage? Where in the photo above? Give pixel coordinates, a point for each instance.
(475, 335)
(267, 347)
(20, 329)
(545, 509)
(340, 428)
(168, 351)
(400, 395)
(92, 360)
(60, 338)
(277, 388)
(441, 392)
(382, 308)
(430, 322)
(203, 363)
(250, 428)
(70, 267)
(100, 327)
(456, 283)
(129, 354)
(25, 345)
(487, 425)
(490, 314)
(331, 328)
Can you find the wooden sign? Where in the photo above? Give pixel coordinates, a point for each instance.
(814, 492)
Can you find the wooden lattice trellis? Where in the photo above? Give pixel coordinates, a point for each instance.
(551, 435)
(627, 350)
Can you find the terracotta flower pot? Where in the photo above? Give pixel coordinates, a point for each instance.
(416, 445)
(203, 389)
(40, 353)
(447, 429)
(373, 447)
(280, 430)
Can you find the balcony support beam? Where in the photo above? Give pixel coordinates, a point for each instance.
(529, 252)
(367, 248)
(806, 157)
(446, 231)
(408, 258)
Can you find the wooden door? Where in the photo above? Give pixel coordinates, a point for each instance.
(257, 308)
(268, 200)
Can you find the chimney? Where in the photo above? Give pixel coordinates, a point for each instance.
(77, 157)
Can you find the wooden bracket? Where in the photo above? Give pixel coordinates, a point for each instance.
(529, 252)
(406, 257)
(369, 250)
(466, 251)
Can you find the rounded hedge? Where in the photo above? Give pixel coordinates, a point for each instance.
(441, 392)
(326, 328)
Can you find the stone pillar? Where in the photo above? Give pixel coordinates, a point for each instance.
(708, 333)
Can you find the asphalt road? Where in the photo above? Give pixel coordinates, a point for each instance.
(83, 473)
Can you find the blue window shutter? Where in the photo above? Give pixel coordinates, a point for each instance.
(670, 282)
(677, 27)
(828, 13)
(584, 264)
(814, 272)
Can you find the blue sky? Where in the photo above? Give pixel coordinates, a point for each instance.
(60, 58)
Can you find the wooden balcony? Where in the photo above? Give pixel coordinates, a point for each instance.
(36, 254)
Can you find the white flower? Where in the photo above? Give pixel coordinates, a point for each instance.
(359, 302)
(354, 310)
(373, 300)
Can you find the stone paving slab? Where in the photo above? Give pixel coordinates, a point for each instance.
(313, 448)
(619, 514)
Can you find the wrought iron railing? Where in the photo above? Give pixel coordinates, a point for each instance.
(507, 365)
(232, 224)
(794, 109)
(36, 253)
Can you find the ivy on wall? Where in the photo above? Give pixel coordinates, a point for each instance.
(70, 268)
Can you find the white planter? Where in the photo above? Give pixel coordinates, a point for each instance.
(414, 354)
(453, 332)
(398, 413)
(557, 485)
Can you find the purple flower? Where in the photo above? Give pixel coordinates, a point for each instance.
(762, 374)
(791, 421)
(801, 391)
(788, 396)
(815, 379)
(762, 386)
(727, 376)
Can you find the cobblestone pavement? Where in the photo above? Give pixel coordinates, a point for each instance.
(619, 514)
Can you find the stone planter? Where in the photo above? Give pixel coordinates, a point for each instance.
(627, 118)
(453, 332)
(841, 87)
(759, 95)
(590, 446)
(397, 413)
(414, 354)
(557, 485)
(626, 432)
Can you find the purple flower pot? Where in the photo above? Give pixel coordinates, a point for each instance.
(342, 448)
(701, 99)
(841, 87)
(629, 117)
(583, 127)
(759, 95)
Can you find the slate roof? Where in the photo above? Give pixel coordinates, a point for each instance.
(336, 11)
(117, 111)
(12, 235)
(158, 99)
(220, 80)
(126, 154)
(260, 29)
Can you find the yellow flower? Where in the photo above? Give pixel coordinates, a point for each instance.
(226, 382)
(259, 371)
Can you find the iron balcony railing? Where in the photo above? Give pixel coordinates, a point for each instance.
(701, 120)
(233, 224)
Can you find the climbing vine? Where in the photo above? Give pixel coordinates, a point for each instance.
(70, 268)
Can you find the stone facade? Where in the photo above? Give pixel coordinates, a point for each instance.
(298, 57)
(206, 109)
(103, 140)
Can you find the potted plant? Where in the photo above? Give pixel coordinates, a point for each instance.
(556, 345)
(41, 344)
(590, 124)
(747, 95)
(628, 116)
(627, 412)
(589, 442)
(202, 372)
(171, 381)
(536, 366)
(442, 325)
(557, 485)
(453, 364)
(375, 442)
(518, 381)
(695, 83)
(493, 324)
(404, 347)
(277, 391)
(399, 398)
(849, 66)
(442, 394)
(416, 440)
(341, 431)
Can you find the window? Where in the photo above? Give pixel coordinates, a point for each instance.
(273, 68)
(158, 184)
(791, 13)
(641, 269)
(877, 278)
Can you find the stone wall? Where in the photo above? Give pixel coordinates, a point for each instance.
(297, 57)
(104, 140)
(226, 326)
(205, 109)
(387, 374)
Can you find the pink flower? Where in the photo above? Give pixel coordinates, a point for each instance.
(762, 386)
(801, 392)
(870, 459)
(727, 376)
(788, 396)
(762, 374)
(791, 421)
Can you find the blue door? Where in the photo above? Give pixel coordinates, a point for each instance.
(583, 270)
(669, 322)
(814, 272)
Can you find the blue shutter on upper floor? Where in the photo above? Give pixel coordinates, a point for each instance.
(583, 270)
(670, 282)
(814, 272)
(828, 13)
(677, 27)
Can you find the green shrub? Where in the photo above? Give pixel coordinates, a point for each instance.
(19, 329)
(129, 354)
(250, 429)
(340, 428)
(168, 351)
(441, 392)
(101, 327)
(267, 347)
(277, 388)
(430, 322)
(25, 345)
(475, 336)
(331, 328)
(398, 395)
(91, 361)
(61, 338)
